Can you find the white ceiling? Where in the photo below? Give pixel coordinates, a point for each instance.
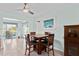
(41, 10)
(10, 10)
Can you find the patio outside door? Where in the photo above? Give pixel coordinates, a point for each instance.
(9, 31)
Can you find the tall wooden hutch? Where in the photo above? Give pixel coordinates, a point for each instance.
(71, 40)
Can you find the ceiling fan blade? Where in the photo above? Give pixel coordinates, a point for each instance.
(26, 9)
(30, 12)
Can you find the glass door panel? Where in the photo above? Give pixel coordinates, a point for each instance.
(9, 31)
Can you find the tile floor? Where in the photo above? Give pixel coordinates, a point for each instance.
(16, 47)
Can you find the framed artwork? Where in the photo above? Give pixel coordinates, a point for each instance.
(48, 23)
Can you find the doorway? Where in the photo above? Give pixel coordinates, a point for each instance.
(9, 31)
(9, 35)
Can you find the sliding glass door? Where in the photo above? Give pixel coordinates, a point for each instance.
(9, 31)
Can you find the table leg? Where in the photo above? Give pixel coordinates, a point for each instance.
(39, 46)
(34, 47)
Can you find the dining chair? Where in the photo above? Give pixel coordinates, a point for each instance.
(32, 33)
(49, 41)
(29, 44)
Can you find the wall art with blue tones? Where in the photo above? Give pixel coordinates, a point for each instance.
(48, 23)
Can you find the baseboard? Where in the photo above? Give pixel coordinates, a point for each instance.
(58, 49)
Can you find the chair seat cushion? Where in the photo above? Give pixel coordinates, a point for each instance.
(33, 42)
(45, 42)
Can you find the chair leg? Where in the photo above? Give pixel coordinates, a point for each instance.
(53, 50)
(48, 51)
(34, 47)
(26, 50)
(29, 51)
(45, 49)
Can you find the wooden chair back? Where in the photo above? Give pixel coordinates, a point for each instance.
(27, 38)
(50, 39)
(32, 33)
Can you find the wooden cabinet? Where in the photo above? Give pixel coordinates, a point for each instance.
(71, 40)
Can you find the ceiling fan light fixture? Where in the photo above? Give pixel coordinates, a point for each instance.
(25, 10)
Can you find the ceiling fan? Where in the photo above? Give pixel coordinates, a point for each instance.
(26, 9)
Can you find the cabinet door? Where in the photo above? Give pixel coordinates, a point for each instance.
(73, 50)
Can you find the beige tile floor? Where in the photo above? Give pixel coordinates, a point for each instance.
(16, 47)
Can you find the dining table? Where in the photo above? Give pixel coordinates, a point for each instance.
(39, 39)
